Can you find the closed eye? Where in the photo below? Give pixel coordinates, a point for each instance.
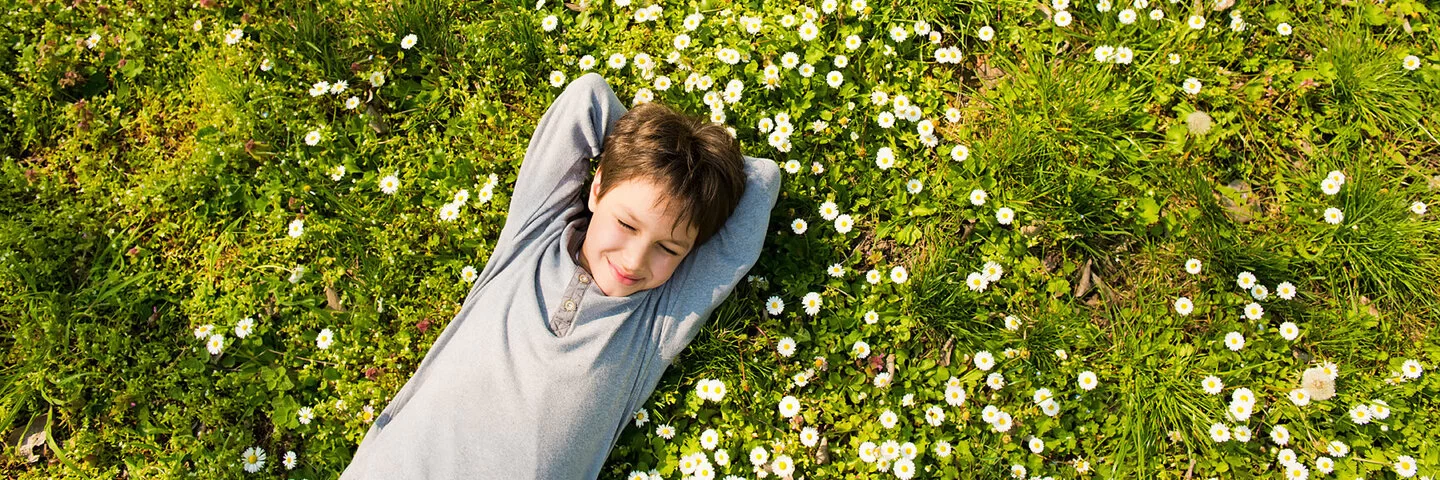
(662, 247)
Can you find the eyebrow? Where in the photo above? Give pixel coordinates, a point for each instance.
(633, 220)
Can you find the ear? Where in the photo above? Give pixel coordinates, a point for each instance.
(594, 198)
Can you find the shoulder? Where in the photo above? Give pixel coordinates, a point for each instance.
(762, 173)
(590, 82)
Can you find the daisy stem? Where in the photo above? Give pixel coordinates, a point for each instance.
(322, 362)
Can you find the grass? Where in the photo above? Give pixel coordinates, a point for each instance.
(160, 204)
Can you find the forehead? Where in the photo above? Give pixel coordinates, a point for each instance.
(647, 203)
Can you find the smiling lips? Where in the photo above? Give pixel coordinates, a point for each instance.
(624, 279)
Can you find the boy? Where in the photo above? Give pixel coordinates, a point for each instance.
(586, 298)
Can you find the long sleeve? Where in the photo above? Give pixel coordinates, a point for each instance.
(556, 163)
(704, 280)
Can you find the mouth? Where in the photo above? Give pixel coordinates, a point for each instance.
(625, 280)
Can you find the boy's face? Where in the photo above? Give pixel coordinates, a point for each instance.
(630, 245)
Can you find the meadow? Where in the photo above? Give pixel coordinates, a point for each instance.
(1015, 239)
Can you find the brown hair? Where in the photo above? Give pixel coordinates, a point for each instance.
(697, 163)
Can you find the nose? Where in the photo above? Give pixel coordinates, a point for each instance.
(631, 259)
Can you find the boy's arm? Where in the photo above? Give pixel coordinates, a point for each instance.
(705, 279)
(556, 162)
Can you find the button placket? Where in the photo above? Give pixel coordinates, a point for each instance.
(563, 319)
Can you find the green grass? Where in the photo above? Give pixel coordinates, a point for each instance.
(147, 183)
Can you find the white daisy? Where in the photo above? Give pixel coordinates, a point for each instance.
(1245, 280)
(789, 406)
(885, 157)
(1329, 186)
(1062, 18)
(1289, 330)
(1360, 414)
(977, 281)
(1192, 85)
(1239, 411)
(1183, 306)
(232, 37)
(888, 419)
(1219, 433)
(1196, 22)
(709, 439)
(812, 303)
(786, 347)
(808, 31)
(312, 138)
(1411, 369)
(244, 327)
(1380, 410)
(305, 414)
(1280, 435)
(1259, 292)
(390, 184)
(216, 344)
(449, 212)
(986, 33)
(984, 360)
(1405, 466)
(977, 197)
(1285, 290)
(1104, 53)
(253, 459)
(1411, 62)
(1004, 215)
(1088, 380)
(1002, 422)
(899, 275)
(1334, 216)
(843, 224)
(1235, 341)
(1212, 385)
(324, 339)
(408, 41)
(1254, 311)
(809, 436)
(1240, 433)
(861, 349)
(1299, 397)
(954, 395)
(995, 381)
(960, 153)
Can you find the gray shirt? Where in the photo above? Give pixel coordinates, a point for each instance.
(540, 371)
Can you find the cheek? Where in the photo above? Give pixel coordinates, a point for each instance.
(663, 265)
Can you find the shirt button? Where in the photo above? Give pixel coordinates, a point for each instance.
(569, 305)
(584, 278)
